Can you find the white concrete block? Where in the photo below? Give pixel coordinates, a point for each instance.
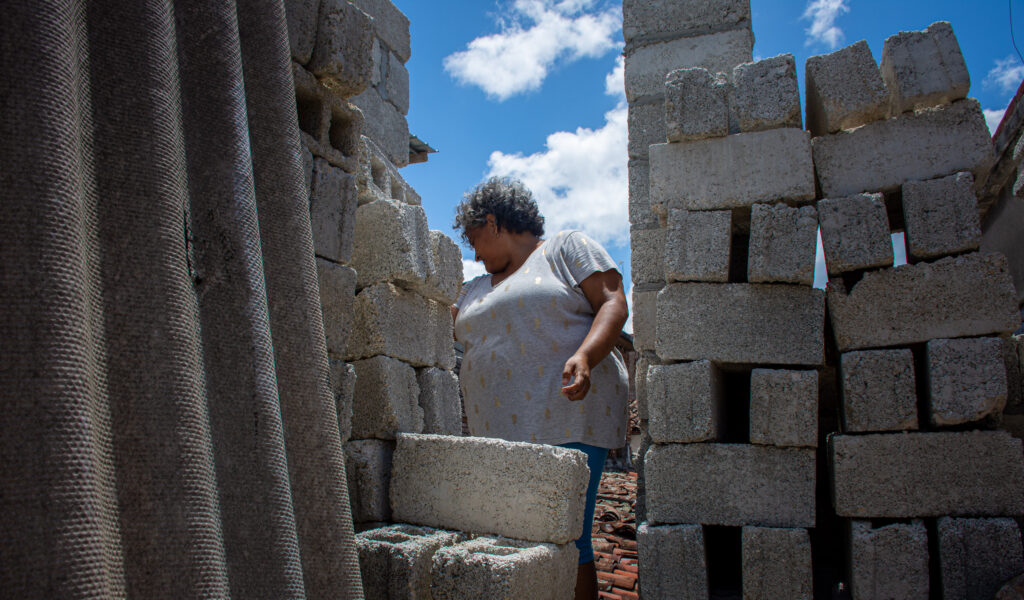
(697, 245)
(439, 399)
(844, 90)
(382, 314)
(766, 95)
(646, 67)
(395, 561)
(696, 104)
(924, 68)
(504, 569)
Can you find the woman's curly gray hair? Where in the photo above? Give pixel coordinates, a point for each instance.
(507, 199)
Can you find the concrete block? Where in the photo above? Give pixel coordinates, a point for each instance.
(776, 564)
(978, 473)
(697, 245)
(302, 17)
(342, 56)
(439, 399)
(332, 211)
(647, 251)
(368, 468)
(386, 399)
(640, 374)
(396, 85)
(741, 323)
(343, 385)
(730, 484)
(888, 562)
(647, 19)
(646, 125)
(503, 569)
(445, 281)
(390, 25)
(926, 144)
(337, 298)
(385, 125)
(382, 314)
(844, 90)
(966, 380)
(483, 485)
(977, 556)
(732, 172)
(783, 240)
(672, 563)
(941, 216)
(784, 408)
(395, 560)
(696, 104)
(378, 179)
(394, 244)
(878, 390)
(640, 213)
(644, 319)
(766, 95)
(924, 68)
(683, 402)
(855, 233)
(646, 67)
(959, 296)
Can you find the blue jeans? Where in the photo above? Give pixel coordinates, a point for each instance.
(595, 460)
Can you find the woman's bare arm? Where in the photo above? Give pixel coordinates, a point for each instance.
(607, 298)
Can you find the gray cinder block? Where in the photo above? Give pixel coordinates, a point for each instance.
(844, 90)
(855, 233)
(390, 24)
(396, 85)
(484, 485)
(444, 281)
(940, 473)
(941, 216)
(646, 67)
(384, 124)
(503, 569)
(343, 53)
(368, 469)
(878, 390)
(302, 17)
(784, 408)
(888, 562)
(647, 252)
(332, 211)
(672, 563)
(776, 564)
(647, 19)
(925, 144)
(977, 556)
(732, 172)
(741, 323)
(683, 402)
(730, 484)
(382, 314)
(343, 385)
(395, 560)
(386, 399)
(696, 104)
(379, 179)
(766, 95)
(783, 240)
(640, 212)
(337, 297)
(439, 399)
(953, 297)
(924, 68)
(644, 319)
(645, 122)
(966, 379)
(697, 245)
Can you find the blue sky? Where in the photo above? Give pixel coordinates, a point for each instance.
(533, 88)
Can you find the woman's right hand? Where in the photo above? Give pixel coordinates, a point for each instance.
(576, 370)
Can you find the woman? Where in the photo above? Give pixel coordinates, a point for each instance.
(538, 332)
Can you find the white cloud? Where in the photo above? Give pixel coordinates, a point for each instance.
(615, 82)
(993, 117)
(518, 58)
(628, 326)
(1006, 75)
(471, 269)
(823, 15)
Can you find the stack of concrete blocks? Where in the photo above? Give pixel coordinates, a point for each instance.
(917, 464)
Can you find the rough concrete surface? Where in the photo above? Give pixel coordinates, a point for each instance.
(343, 52)
(977, 556)
(392, 244)
(343, 385)
(382, 313)
(386, 399)
(776, 564)
(966, 379)
(640, 212)
(395, 560)
(445, 281)
(696, 104)
(924, 68)
(784, 408)
(697, 245)
(647, 255)
(644, 319)
(368, 469)
(941, 216)
(390, 24)
(683, 402)
(646, 125)
(654, 19)
(332, 211)
(844, 90)
(646, 67)
(385, 125)
(878, 390)
(855, 233)
(439, 399)
(503, 569)
(766, 95)
(337, 297)
(302, 17)
(672, 562)
(396, 85)
(782, 244)
(888, 562)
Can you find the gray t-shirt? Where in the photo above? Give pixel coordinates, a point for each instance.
(517, 337)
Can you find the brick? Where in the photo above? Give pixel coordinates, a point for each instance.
(390, 25)
(784, 408)
(640, 212)
(647, 19)
(766, 95)
(343, 53)
(878, 390)
(395, 560)
(941, 216)
(483, 485)
(889, 561)
(646, 125)
(783, 240)
(977, 556)
(925, 144)
(697, 245)
(844, 90)
(977, 473)
(337, 298)
(730, 484)
(396, 85)
(644, 319)
(966, 380)
(696, 104)
(776, 564)
(332, 211)
(302, 17)
(646, 67)
(741, 323)
(855, 233)
(439, 399)
(924, 68)
(646, 255)
(382, 314)
(385, 125)
(503, 569)
(672, 563)
(683, 402)
(368, 468)
(343, 386)
(732, 172)
(386, 399)
(953, 297)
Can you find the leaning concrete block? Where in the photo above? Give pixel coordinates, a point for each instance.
(939, 473)
(503, 569)
(844, 90)
(672, 563)
(966, 379)
(730, 484)
(647, 255)
(696, 104)
(954, 297)
(343, 385)
(302, 17)
(784, 408)
(888, 562)
(783, 240)
(977, 556)
(766, 95)
(683, 402)
(390, 24)
(386, 399)
(343, 53)
(395, 560)
(855, 233)
(697, 245)
(382, 314)
(644, 19)
(741, 323)
(776, 564)
(646, 67)
(734, 171)
(332, 211)
(645, 122)
(926, 144)
(483, 485)
(439, 399)
(878, 390)
(337, 297)
(385, 125)
(368, 468)
(644, 319)
(924, 68)
(941, 216)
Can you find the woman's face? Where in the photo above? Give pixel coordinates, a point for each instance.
(487, 245)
